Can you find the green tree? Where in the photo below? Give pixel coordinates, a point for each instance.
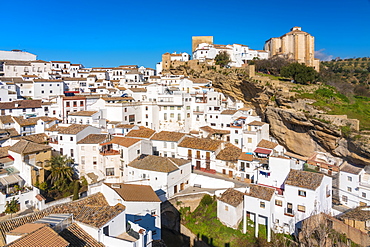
(12, 207)
(76, 190)
(222, 59)
(299, 73)
(61, 171)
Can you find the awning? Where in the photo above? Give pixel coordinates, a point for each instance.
(11, 179)
(262, 151)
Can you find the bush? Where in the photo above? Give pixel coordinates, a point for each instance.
(206, 200)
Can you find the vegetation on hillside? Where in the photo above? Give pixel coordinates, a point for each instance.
(204, 223)
(222, 59)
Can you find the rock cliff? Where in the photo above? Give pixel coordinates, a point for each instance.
(292, 121)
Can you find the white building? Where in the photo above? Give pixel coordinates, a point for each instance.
(230, 207)
(354, 185)
(202, 152)
(167, 176)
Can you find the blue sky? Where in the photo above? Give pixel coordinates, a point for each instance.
(117, 32)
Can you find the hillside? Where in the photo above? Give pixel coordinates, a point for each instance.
(298, 114)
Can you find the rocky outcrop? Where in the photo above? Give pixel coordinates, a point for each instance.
(304, 135)
(295, 123)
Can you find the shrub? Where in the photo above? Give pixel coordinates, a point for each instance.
(206, 200)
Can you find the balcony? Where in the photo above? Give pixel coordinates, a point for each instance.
(109, 152)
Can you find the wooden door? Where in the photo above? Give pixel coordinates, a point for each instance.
(230, 174)
(197, 165)
(175, 189)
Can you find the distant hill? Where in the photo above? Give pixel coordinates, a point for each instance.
(349, 76)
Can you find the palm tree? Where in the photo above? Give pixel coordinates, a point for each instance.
(61, 171)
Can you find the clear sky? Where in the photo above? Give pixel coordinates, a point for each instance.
(117, 32)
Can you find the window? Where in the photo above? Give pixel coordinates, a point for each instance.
(60, 137)
(165, 144)
(94, 148)
(172, 115)
(349, 189)
(82, 148)
(349, 178)
(165, 116)
(164, 107)
(279, 203)
(51, 91)
(249, 140)
(138, 151)
(24, 110)
(262, 204)
(187, 115)
(82, 160)
(94, 160)
(301, 208)
(302, 193)
(81, 103)
(364, 194)
(344, 198)
(172, 108)
(68, 104)
(178, 117)
(236, 141)
(179, 108)
(172, 145)
(71, 138)
(226, 208)
(187, 107)
(71, 152)
(61, 151)
(42, 91)
(131, 118)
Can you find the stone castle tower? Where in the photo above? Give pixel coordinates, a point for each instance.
(297, 45)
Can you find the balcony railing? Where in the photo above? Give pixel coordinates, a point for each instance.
(109, 152)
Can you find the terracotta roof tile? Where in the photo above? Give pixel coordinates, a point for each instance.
(304, 179)
(157, 163)
(122, 141)
(353, 169)
(168, 136)
(43, 237)
(6, 119)
(93, 139)
(141, 133)
(134, 192)
(256, 123)
(214, 131)
(26, 147)
(82, 113)
(232, 197)
(138, 90)
(21, 104)
(246, 157)
(125, 126)
(40, 138)
(26, 228)
(200, 143)
(55, 127)
(229, 153)
(77, 237)
(200, 80)
(359, 214)
(267, 144)
(261, 192)
(98, 216)
(228, 112)
(73, 129)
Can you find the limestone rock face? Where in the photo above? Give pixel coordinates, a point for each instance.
(304, 136)
(299, 132)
